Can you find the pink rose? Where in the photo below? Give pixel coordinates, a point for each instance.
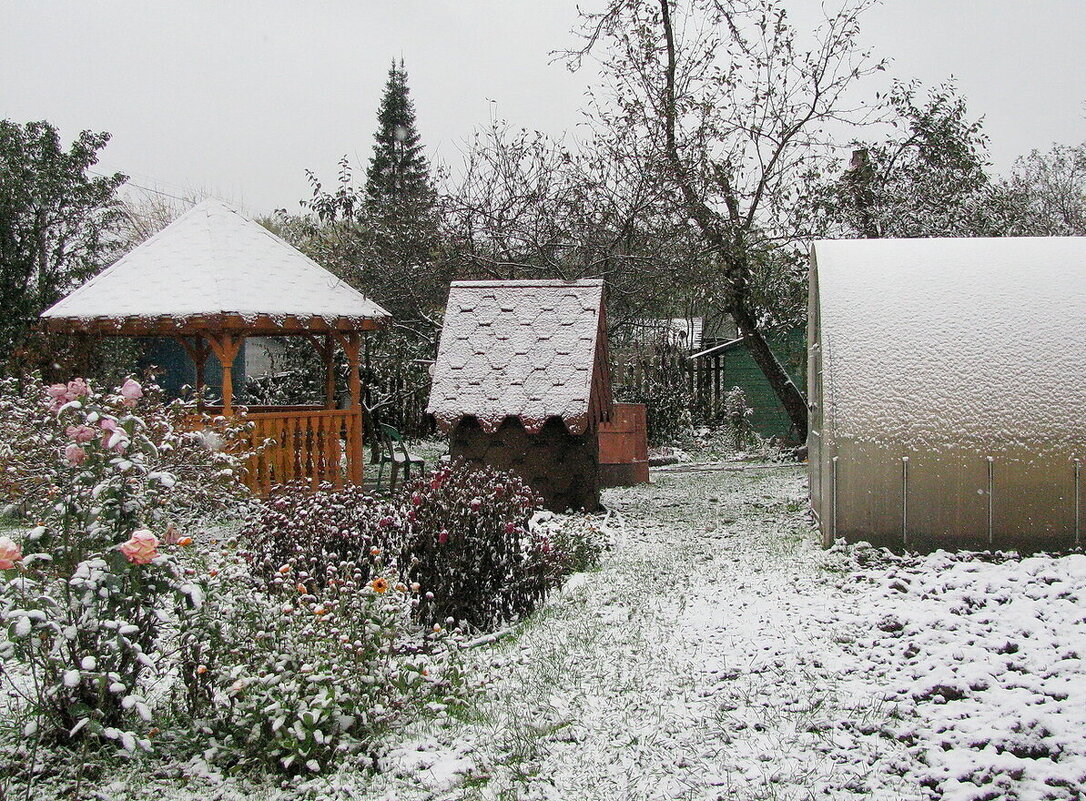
(131, 391)
(10, 553)
(113, 437)
(141, 547)
(77, 388)
(75, 455)
(59, 394)
(80, 434)
(443, 537)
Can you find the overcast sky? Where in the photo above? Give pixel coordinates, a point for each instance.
(237, 99)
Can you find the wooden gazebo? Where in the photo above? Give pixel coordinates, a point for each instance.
(209, 280)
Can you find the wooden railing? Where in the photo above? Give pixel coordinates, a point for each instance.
(314, 445)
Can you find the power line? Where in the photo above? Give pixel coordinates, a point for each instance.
(129, 182)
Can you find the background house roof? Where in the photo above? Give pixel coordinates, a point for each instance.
(214, 267)
(526, 349)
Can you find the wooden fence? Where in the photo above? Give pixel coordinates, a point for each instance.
(314, 445)
(706, 381)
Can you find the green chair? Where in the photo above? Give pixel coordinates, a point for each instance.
(394, 452)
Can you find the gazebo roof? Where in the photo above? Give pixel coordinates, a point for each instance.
(526, 349)
(214, 269)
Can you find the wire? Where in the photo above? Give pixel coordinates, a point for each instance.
(129, 182)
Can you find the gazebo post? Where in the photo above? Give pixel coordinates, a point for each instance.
(226, 347)
(351, 342)
(198, 351)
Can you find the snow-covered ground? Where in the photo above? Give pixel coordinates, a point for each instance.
(719, 653)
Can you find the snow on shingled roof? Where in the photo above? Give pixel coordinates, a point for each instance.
(526, 349)
(213, 263)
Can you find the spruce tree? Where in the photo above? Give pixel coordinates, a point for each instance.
(399, 173)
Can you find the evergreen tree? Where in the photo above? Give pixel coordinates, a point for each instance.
(385, 238)
(399, 172)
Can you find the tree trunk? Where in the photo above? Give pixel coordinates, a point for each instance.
(727, 238)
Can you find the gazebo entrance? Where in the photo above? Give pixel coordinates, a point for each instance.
(300, 443)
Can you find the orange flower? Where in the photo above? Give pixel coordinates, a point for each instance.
(284, 569)
(202, 669)
(213, 572)
(301, 589)
(185, 541)
(375, 551)
(379, 586)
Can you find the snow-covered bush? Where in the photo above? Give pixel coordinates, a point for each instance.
(84, 603)
(469, 548)
(460, 534)
(298, 671)
(570, 543)
(311, 530)
(737, 412)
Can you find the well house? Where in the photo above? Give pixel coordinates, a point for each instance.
(521, 383)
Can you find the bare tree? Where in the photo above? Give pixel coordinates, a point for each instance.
(731, 109)
(525, 206)
(1047, 193)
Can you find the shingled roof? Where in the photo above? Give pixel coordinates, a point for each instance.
(526, 349)
(214, 268)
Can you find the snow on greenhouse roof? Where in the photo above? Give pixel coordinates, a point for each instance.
(212, 265)
(526, 349)
(954, 343)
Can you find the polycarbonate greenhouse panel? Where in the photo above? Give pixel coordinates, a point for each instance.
(948, 386)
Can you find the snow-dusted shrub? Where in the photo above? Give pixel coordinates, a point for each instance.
(469, 547)
(311, 530)
(737, 412)
(53, 439)
(298, 671)
(460, 533)
(83, 605)
(569, 543)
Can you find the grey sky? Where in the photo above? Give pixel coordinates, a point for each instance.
(238, 98)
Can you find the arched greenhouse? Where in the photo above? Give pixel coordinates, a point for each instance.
(947, 384)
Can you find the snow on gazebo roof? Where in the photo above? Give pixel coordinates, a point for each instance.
(214, 268)
(526, 349)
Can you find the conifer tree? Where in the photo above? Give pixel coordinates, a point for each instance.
(399, 173)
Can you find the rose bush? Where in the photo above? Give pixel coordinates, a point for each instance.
(297, 670)
(89, 591)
